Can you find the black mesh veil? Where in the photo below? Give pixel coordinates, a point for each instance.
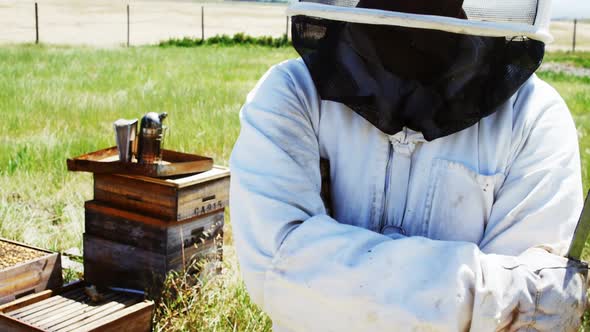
(431, 81)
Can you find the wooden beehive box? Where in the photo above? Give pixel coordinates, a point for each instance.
(139, 228)
(170, 199)
(25, 270)
(127, 249)
(70, 309)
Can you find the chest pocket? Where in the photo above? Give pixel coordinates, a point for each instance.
(458, 202)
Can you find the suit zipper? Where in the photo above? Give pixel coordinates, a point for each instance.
(383, 219)
(404, 167)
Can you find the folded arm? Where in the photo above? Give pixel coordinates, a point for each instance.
(311, 273)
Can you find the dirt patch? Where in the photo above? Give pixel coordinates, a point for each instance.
(563, 32)
(12, 254)
(104, 22)
(565, 68)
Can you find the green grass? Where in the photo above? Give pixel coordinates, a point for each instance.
(576, 92)
(59, 102)
(580, 59)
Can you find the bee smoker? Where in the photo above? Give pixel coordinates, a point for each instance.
(151, 135)
(125, 132)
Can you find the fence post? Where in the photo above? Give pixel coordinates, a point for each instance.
(574, 42)
(287, 29)
(128, 25)
(202, 23)
(36, 24)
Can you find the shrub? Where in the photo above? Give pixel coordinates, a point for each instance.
(225, 40)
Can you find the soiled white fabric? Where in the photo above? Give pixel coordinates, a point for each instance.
(460, 213)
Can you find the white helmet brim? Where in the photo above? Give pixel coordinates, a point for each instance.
(539, 30)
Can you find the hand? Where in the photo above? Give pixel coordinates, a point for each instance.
(554, 298)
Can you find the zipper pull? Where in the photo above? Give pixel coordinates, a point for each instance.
(401, 144)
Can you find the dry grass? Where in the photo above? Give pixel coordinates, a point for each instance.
(104, 23)
(563, 32)
(209, 303)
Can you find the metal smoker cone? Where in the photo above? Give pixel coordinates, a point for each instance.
(125, 132)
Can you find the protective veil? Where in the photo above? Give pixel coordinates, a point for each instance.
(404, 64)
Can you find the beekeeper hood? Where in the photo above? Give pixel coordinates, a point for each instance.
(434, 66)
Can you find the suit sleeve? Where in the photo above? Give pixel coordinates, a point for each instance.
(311, 273)
(541, 198)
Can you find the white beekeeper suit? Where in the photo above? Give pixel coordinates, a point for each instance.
(463, 232)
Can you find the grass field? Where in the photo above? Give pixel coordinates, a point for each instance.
(60, 102)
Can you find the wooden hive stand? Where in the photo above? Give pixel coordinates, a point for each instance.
(137, 228)
(71, 309)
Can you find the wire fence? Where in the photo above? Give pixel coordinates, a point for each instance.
(115, 22)
(571, 35)
(111, 22)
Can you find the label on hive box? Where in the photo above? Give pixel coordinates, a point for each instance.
(198, 211)
(199, 200)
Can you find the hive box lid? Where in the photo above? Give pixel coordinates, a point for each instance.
(107, 161)
(216, 172)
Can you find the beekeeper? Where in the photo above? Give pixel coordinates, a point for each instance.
(454, 173)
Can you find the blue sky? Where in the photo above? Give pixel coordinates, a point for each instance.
(571, 8)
